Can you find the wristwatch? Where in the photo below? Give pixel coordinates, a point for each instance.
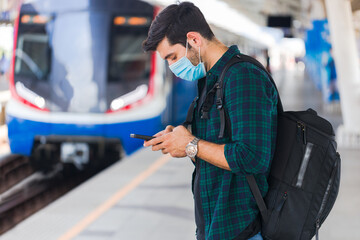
(191, 149)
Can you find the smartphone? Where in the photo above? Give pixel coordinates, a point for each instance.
(143, 137)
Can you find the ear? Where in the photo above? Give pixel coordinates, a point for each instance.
(195, 39)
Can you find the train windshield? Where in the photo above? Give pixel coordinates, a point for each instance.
(33, 56)
(129, 66)
(33, 59)
(81, 62)
(60, 61)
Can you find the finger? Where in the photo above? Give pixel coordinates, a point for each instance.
(169, 129)
(154, 141)
(160, 133)
(157, 147)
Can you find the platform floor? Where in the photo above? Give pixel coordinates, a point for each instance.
(148, 195)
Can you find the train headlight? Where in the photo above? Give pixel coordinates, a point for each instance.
(129, 98)
(117, 104)
(39, 101)
(29, 95)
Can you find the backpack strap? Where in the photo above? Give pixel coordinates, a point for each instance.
(246, 58)
(258, 197)
(219, 104)
(217, 89)
(208, 102)
(205, 108)
(190, 113)
(206, 105)
(220, 95)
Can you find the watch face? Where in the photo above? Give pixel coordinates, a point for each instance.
(191, 150)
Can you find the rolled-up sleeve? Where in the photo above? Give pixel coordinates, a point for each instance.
(250, 102)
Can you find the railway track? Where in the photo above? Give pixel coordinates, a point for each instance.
(24, 191)
(13, 169)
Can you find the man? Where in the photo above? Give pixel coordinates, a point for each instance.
(224, 206)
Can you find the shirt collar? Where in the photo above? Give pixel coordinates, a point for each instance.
(220, 64)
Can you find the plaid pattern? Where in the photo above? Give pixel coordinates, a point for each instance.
(250, 102)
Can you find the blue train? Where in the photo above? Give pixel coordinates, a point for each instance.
(81, 83)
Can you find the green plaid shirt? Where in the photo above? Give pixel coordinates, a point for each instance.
(250, 101)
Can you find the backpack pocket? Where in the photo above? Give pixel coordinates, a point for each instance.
(308, 168)
(276, 201)
(286, 219)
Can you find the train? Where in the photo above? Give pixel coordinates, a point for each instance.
(81, 83)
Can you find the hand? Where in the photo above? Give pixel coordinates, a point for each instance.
(167, 130)
(173, 141)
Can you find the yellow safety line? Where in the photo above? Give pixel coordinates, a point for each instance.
(91, 217)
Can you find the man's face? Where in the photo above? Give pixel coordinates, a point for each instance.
(172, 53)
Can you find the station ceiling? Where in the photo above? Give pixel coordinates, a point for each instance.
(300, 10)
(259, 10)
(256, 10)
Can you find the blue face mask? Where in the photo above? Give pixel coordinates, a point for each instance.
(184, 69)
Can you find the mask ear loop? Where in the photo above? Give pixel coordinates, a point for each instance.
(199, 55)
(186, 50)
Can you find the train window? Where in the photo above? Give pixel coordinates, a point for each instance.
(33, 56)
(128, 65)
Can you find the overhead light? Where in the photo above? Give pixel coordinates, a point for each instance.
(39, 19)
(119, 20)
(137, 21)
(35, 19)
(25, 19)
(133, 21)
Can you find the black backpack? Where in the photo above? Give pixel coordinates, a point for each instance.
(305, 171)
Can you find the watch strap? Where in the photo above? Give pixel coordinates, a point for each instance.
(195, 141)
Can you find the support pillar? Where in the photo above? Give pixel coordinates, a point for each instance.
(348, 70)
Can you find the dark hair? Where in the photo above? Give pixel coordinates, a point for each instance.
(174, 22)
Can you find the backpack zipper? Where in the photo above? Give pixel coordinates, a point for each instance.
(283, 200)
(326, 196)
(332, 137)
(302, 128)
(304, 164)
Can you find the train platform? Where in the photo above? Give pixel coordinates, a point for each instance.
(148, 195)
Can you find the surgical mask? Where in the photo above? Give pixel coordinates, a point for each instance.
(184, 69)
